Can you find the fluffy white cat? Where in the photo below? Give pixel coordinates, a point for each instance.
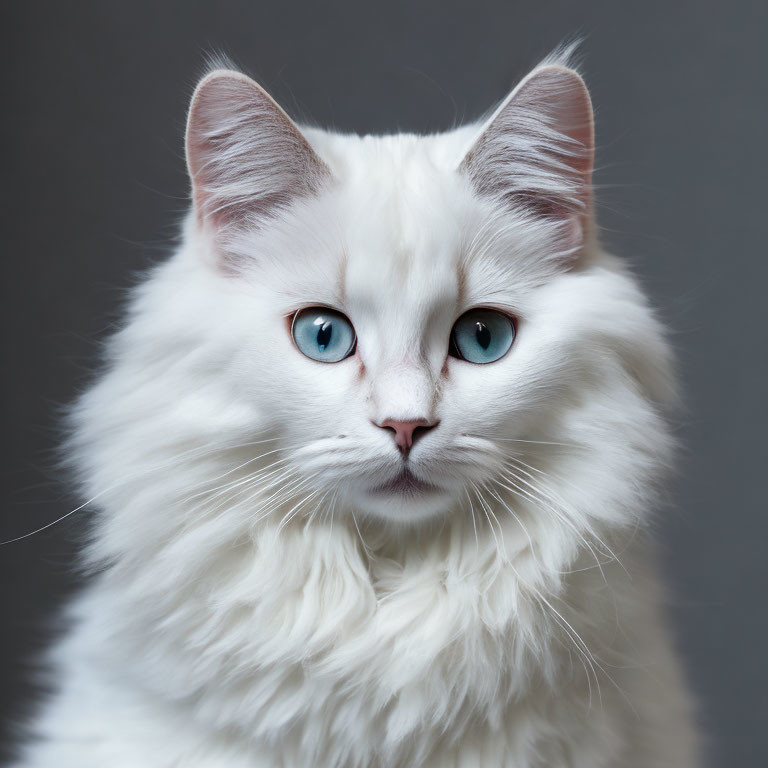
(374, 458)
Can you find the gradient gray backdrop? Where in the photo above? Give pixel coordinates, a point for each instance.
(92, 183)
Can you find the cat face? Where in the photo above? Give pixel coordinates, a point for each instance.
(399, 300)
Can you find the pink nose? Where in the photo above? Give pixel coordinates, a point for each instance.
(406, 432)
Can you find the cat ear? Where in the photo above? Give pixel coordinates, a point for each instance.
(247, 159)
(536, 152)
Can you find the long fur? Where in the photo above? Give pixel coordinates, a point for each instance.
(250, 604)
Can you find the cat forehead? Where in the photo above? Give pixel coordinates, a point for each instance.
(401, 227)
(349, 154)
(401, 203)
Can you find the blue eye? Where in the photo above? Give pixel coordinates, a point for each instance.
(482, 335)
(323, 334)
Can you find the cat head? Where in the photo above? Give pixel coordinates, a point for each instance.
(407, 304)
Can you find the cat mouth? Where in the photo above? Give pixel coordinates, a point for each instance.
(404, 484)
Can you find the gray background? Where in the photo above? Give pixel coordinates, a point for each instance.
(93, 184)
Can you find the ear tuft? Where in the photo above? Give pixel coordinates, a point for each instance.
(536, 151)
(246, 158)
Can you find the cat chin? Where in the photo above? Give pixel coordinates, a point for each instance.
(408, 506)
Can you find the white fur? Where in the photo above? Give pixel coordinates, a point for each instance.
(253, 606)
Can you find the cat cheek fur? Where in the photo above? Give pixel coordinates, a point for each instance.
(253, 605)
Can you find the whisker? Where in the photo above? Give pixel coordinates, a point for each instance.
(362, 540)
(556, 499)
(277, 476)
(485, 508)
(293, 511)
(179, 458)
(229, 472)
(472, 512)
(519, 522)
(516, 489)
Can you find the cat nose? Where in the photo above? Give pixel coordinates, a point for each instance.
(407, 432)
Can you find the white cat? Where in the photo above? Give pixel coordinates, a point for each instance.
(374, 459)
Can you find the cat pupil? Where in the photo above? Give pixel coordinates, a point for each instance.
(482, 334)
(324, 335)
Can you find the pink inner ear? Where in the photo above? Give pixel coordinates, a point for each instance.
(246, 158)
(561, 96)
(536, 152)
